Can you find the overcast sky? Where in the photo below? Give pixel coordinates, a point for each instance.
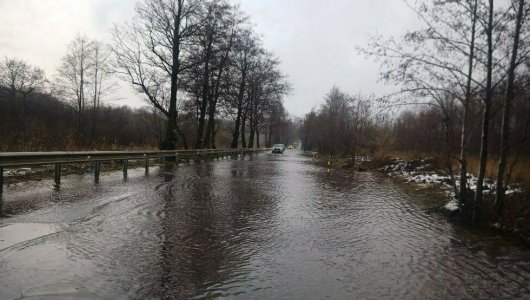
(314, 39)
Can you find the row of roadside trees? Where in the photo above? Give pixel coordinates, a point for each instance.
(467, 52)
(201, 68)
(204, 56)
(463, 88)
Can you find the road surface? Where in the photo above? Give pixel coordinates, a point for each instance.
(264, 226)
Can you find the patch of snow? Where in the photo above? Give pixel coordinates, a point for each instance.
(452, 205)
(414, 171)
(513, 191)
(363, 159)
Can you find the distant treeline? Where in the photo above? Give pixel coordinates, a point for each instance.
(41, 122)
(429, 129)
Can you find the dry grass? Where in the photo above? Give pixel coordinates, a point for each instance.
(520, 172)
(407, 155)
(473, 163)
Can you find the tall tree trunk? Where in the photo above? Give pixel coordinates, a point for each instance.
(269, 136)
(237, 125)
(257, 138)
(251, 124)
(206, 94)
(251, 137)
(487, 113)
(170, 142)
(243, 126)
(240, 96)
(214, 133)
(81, 99)
(507, 113)
(449, 151)
(200, 127)
(95, 100)
(462, 193)
(210, 136)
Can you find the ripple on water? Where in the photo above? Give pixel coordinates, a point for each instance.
(269, 226)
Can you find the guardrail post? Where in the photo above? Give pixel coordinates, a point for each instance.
(147, 165)
(97, 169)
(125, 165)
(57, 174)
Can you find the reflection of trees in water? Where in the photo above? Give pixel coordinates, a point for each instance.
(208, 226)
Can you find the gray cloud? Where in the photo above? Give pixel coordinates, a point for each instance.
(315, 40)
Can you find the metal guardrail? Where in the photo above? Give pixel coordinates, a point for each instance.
(10, 160)
(21, 159)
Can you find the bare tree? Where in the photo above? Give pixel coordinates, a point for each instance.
(84, 79)
(266, 85)
(74, 77)
(246, 49)
(489, 27)
(100, 81)
(472, 11)
(360, 116)
(214, 41)
(151, 53)
(436, 66)
(337, 128)
(457, 56)
(21, 79)
(521, 13)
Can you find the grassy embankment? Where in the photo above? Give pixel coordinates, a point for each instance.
(520, 172)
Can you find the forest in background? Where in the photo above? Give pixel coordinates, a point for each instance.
(205, 75)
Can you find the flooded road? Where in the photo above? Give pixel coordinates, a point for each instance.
(263, 226)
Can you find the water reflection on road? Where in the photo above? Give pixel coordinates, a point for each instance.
(264, 226)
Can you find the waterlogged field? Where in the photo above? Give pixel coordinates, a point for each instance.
(264, 226)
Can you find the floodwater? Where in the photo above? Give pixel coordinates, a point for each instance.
(264, 227)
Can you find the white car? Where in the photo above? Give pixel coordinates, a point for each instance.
(278, 148)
